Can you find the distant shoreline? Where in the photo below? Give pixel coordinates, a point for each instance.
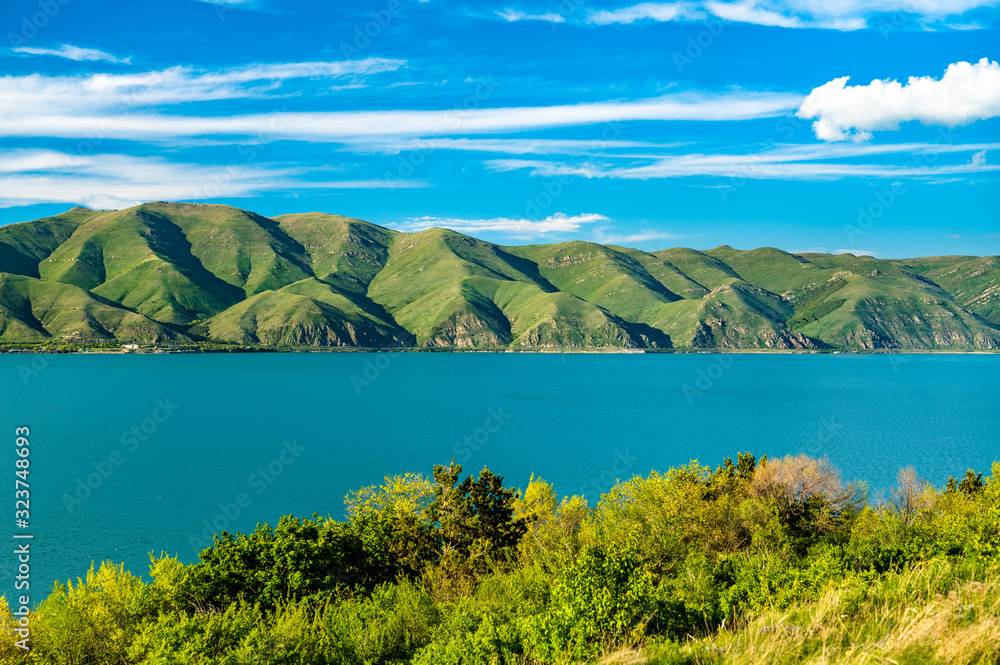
(500, 350)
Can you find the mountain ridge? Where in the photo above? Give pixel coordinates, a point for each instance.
(183, 272)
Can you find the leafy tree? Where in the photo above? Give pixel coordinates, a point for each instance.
(391, 521)
(742, 471)
(910, 494)
(402, 495)
(972, 484)
(807, 493)
(554, 529)
(474, 518)
(599, 600)
(298, 558)
(94, 620)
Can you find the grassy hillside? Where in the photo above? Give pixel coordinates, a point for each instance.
(220, 274)
(35, 311)
(306, 313)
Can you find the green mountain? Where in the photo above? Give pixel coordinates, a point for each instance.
(190, 272)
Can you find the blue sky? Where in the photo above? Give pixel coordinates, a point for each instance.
(652, 124)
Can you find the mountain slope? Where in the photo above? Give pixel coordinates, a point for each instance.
(342, 251)
(32, 310)
(162, 271)
(974, 283)
(306, 313)
(734, 315)
(603, 276)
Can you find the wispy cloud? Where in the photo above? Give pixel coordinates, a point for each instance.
(750, 11)
(655, 11)
(72, 107)
(856, 252)
(823, 14)
(626, 239)
(41, 95)
(965, 93)
(114, 181)
(242, 4)
(794, 162)
(512, 15)
(72, 53)
(509, 146)
(557, 223)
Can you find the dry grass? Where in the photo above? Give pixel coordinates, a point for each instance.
(938, 613)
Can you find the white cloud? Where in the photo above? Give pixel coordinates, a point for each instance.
(512, 15)
(965, 26)
(510, 146)
(750, 11)
(40, 95)
(825, 14)
(856, 252)
(931, 9)
(965, 93)
(797, 162)
(656, 11)
(642, 236)
(114, 181)
(71, 107)
(72, 53)
(978, 160)
(242, 4)
(557, 223)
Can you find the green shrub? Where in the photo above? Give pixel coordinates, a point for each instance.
(93, 621)
(296, 559)
(493, 625)
(601, 599)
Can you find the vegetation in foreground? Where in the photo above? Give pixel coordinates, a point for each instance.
(775, 561)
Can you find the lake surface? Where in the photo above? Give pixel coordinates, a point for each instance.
(293, 433)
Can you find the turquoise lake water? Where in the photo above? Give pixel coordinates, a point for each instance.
(293, 433)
